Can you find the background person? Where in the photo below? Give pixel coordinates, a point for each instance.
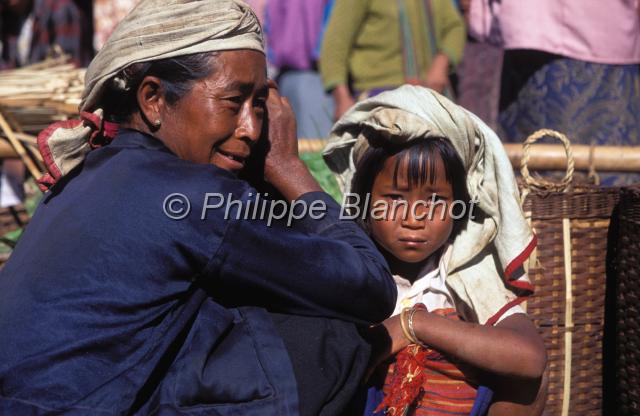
(294, 29)
(375, 45)
(33, 30)
(570, 66)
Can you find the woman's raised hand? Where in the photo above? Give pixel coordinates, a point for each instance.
(283, 141)
(283, 167)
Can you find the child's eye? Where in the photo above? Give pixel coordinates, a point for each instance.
(394, 197)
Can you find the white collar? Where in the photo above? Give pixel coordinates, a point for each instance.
(429, 274)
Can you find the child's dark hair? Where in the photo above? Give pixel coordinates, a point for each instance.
(419, 156)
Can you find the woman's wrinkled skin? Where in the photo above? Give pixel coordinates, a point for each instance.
(221, 118)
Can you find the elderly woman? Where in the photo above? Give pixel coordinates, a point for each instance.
(111, 304)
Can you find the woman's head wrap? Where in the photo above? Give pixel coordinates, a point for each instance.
(154, 30)
(485, 268)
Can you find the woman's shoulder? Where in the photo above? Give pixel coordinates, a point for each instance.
(122, 181)
(144, 165)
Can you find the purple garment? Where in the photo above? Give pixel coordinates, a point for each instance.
(479, 81)
(294, 28)
(480, 407)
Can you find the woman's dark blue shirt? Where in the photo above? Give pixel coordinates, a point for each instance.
(108, 306)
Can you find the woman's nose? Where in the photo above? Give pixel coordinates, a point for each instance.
(249, 124)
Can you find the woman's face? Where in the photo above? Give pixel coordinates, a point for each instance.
(219, 120)
(414, 233)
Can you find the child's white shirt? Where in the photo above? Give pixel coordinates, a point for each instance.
(431, 289)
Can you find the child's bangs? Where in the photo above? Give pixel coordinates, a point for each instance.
(420, 162)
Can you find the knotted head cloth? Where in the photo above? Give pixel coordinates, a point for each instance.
(153, 30)
(159, 29)
(484, 269)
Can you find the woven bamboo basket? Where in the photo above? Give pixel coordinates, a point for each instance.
(622, 338)
(568, 269)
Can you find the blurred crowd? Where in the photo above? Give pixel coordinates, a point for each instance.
(520, 65)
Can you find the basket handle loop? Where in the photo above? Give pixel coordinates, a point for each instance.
(538, 182)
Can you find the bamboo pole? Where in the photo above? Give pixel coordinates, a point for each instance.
(553, 157)
(311, 145)
(19, 148)
(543, 156)
(549, 156)
(6, 151)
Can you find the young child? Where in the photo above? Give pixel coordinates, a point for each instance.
(434, 189)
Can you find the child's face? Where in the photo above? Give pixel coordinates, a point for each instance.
(411, 235)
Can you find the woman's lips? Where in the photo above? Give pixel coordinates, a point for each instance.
(235, 161)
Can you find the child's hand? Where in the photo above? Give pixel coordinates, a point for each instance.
(386, 339)
(398, 340)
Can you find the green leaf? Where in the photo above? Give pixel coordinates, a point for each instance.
(323, 175)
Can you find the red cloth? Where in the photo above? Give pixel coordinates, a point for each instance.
(427, 383)
(99, 133)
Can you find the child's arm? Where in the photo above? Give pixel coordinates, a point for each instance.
(512, 348)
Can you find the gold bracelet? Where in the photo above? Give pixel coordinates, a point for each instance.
(412, 332)
(403, 324)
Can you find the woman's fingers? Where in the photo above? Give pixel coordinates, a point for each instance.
(285, 103)
(277, 105)
(274, 94)
(283, 142)
(282, 166)
(273, 98)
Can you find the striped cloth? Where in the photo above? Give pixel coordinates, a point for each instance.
(444, 390)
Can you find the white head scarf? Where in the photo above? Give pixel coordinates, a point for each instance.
(159, 29)
(484, 270)
(155, 29)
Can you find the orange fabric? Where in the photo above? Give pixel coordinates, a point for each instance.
(444, 389)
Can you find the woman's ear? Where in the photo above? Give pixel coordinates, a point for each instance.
(151, 102)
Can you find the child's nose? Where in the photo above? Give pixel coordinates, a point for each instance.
(415, 217)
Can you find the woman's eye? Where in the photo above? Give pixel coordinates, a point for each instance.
(235, 99)
(234, 104)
